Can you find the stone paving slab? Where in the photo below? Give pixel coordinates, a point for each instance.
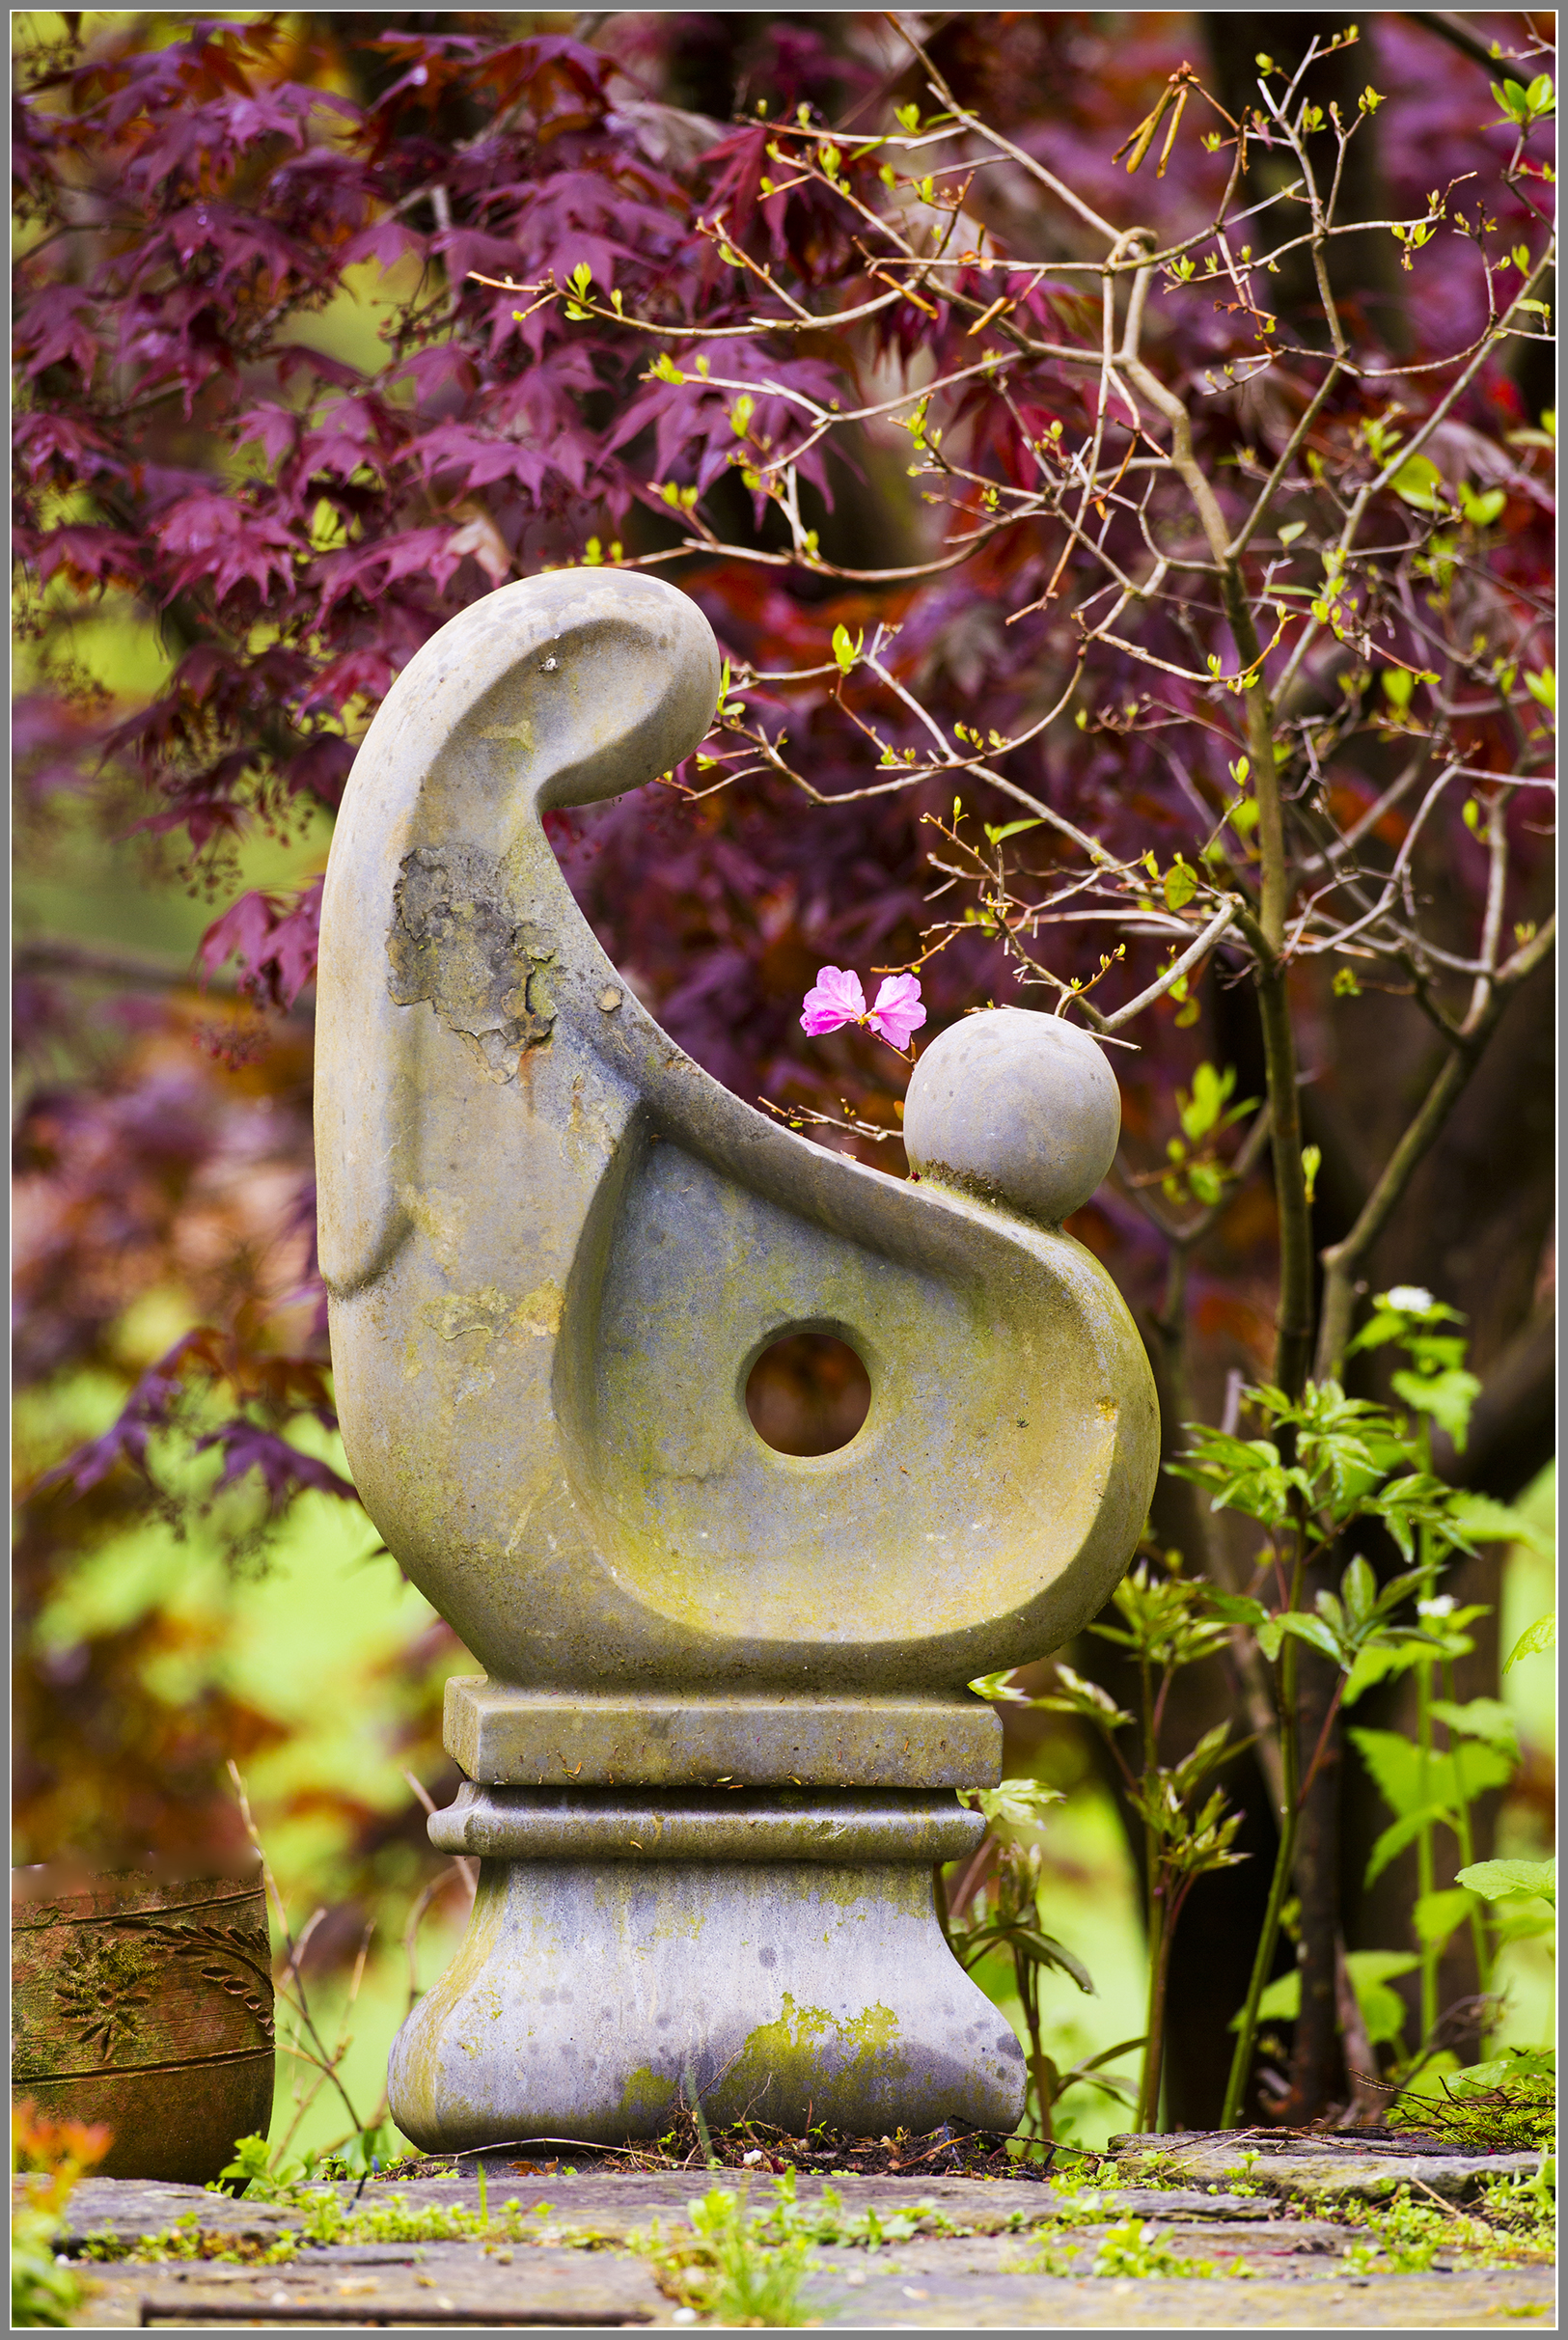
(128, 2208)
(431, 2284)
(1346, 2167)
(1040, 2302)
(566, 2290)
(965, 2268)
(1223, 2245)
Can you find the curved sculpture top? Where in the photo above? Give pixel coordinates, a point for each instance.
(555, 1247)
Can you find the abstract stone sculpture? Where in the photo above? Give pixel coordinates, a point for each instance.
(714, 1755)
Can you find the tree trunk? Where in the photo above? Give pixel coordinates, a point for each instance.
(1317, 2072)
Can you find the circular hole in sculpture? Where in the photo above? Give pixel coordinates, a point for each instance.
(808, 1393)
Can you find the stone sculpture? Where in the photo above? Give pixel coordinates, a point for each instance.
(714, 1755)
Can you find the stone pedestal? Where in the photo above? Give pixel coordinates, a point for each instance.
(724, 1717)
(777, 1952)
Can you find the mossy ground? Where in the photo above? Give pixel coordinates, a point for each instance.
(689, 2144)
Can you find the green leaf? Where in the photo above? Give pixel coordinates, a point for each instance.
(1010, 828)
(1419, 482)
(1281, 2002)
(1444, 1631)
(1370, 1974)
(1543, 689)
(1331, 1608)
(1399, 1588)
(1393, 1840)
(1485, 1521)
(1448, 1397)
(1001, 1687)
(1401, 1514)
(1315, 1631)
(1529, 1926)
(1536, 1637)
(1017, 1803)
(1180, 885)
(1237, 1608)
(1383, 2011)
(1108, 2055)
(1186, 1774)
(1029, 1942)
(1399, 1311)
(1044, 1950)
(1086, 1698)
(1377, 1662)
(1408, 1782)
(845, 650)
(250, 2168)
(1359, 1589)
(1526, 106)
(1485, 1719)
(1480, 511)
(1291, 531)
(1501, 1880)
(1243, 1474)
(1211, 1088)
(1436, 1915)
(1519, 2064)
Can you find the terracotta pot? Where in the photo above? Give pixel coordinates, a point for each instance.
(149, 2005)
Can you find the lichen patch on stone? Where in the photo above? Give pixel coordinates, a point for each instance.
(456, 941)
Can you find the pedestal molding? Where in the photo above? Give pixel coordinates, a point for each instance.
(751, 1824)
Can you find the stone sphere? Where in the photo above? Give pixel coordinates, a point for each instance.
(1016, 1108)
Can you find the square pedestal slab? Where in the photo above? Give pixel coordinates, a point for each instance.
(503, 1737)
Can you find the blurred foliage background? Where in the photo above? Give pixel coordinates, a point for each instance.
(169, 1623)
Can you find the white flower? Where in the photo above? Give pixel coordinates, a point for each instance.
(1409, 1299)
(1441, 1604)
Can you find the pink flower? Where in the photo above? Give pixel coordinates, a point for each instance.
(836, 998)
(898, 1012)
